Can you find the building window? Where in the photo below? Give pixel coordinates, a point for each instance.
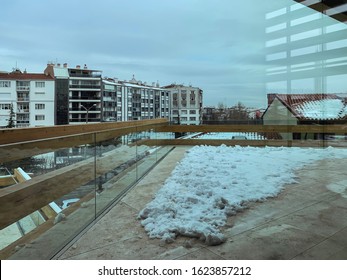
(192, 112)
(40, 106)
(192, 118)
(23, 108)
(192, 96)
(40, 84)
(5, 83)
(39, 117)
(5, 106)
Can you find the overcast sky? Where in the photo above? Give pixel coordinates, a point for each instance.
(217, 45)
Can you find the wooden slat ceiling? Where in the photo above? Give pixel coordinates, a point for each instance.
(336, 9)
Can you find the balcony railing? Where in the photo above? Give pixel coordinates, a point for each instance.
(85, 87)
(23, 99)
(95, 164)
(23, 88)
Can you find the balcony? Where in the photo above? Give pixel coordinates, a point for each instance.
(23, 88)
(88, 74)
(23, 111)
(85, 88)
(108, 172)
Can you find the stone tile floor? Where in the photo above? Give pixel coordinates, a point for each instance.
(307, 220)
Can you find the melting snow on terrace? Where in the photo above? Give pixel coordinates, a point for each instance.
(212, 183)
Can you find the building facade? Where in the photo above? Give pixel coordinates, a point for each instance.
(63, 95)
(134, 100)
(142, 101)
(112, 100)
(186, 104)
(78, 93)
(31, 97)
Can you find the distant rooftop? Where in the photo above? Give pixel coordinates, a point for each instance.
(313, 106)
(19, 75)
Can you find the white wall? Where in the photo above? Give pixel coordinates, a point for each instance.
(7, 96)
(42, 96)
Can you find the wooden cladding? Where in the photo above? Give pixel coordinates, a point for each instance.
(245, 143)
(15, 135)
(21, 143)
(34, 141)
(28, 196)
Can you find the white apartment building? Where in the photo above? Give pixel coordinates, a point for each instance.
(112, 100)
(186, 104)
(134, 100)
(64, 95)
(32, 98)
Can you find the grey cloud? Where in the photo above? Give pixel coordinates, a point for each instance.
(214, 44)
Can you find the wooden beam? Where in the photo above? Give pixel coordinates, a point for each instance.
(15, 135)
(29, 196)
(323, 7)
(7, 181)
(245, 143)
(338, 129)
(14, 151)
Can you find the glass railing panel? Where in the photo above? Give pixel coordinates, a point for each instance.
(57, 199)
(115, 170)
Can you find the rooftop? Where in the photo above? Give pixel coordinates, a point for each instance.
(313, 106)
(305, 221)
(285, 202)
(18, 75)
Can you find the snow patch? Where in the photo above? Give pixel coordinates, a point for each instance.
(212, 183)
(339, 187)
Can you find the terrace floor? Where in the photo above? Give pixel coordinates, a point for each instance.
(307, 220)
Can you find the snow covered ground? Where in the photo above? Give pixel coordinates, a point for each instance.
(212, 183)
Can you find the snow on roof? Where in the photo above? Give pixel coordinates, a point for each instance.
(325, 109)
(105, 81)
(212, 183)
(313, 106)
(141, 86)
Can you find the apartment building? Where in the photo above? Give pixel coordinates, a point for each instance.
(142, 101)
(134, 100)
(112, 100)
(78, 93)
(186, 104)
(31, 96)
(64, 95)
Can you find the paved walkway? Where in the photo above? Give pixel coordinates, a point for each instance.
(307, 220)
